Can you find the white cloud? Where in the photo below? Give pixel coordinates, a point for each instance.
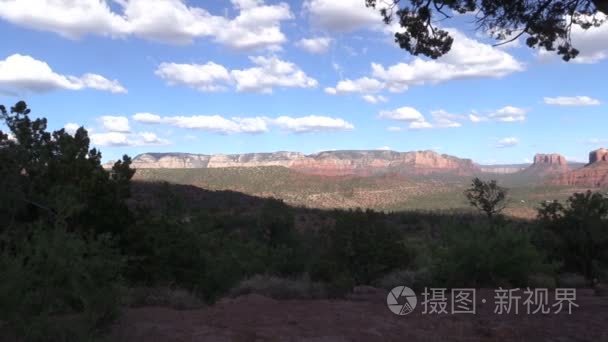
(420, 125)
(571, 101)
(364, 85)
(204, 77)
(319, 45)
(251, 125)
(312, 123)
(507, 142)
(219, 124)
(592, 43)
(71, 128)
(148, 138)
(118, 124)
(394, 129)
(476, 118)
(443, 119)
(407, 114)
(373, 99)
(384, 148)
(116, 139)
(468, 58)
(19, 73)
(342, 15)
(271, 72)
(147, 118)
(268, 73)
(110, 139)
(596, 141)
(255, 26)
(509, 114)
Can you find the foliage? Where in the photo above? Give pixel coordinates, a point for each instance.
(547, 24)
(577, 233)
(485, 255)
(488, 197)
(359, 248)
(280, 288)
(54, 177)
(54, 274)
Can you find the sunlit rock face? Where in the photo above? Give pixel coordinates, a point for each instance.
(594, 174)
(330, 163)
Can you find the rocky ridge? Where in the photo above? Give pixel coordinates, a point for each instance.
(328, 163)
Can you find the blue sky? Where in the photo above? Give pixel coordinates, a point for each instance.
(259, 76)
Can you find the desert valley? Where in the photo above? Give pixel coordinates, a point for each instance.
(383, 180)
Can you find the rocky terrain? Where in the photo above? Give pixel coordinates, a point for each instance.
(257, 318)
(594, 174)
(330, 163)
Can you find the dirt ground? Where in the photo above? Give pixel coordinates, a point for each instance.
(366, 318)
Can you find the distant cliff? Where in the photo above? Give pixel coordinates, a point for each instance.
(594, 174)
(329, 163)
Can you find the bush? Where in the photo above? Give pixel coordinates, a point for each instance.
(359, 249)
(486, 255)
(572, 280)
(415, 279)
(57, 286)
(576, 235)
(280, 288)
(179, 299)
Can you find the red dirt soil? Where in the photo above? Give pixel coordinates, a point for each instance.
(257, 318)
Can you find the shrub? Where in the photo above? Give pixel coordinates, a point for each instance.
(576, 235)
(280, 288)
(179, 299)
(359, 249)
(415, 279)
(486, 255)
(57, 286)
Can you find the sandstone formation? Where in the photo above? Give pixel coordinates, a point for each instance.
(330, 163)
(594, 174)
(548, 164)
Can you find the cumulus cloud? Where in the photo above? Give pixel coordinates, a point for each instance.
(468, 58)
(342, 16)
(118, 124)
(256, 25)
(71, 128)
(118, 139)
(443, 119)
(204, 77)
(312, 123)
(476, 118)
(373, 99)
(20, 73)
(271, 72)
(364, 85)
(268, 73)
(509, 114)
(219, 124)
(319, 45)
(571, 101)
(407, 114)
(110, 139)
(147, 118)
(507, 142)
(251, 125)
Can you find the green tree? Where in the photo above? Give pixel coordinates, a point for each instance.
(546, 23)
(488, 197)
(579, 232)
(55, 177)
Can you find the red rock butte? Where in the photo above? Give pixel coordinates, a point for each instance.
(594, 174)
